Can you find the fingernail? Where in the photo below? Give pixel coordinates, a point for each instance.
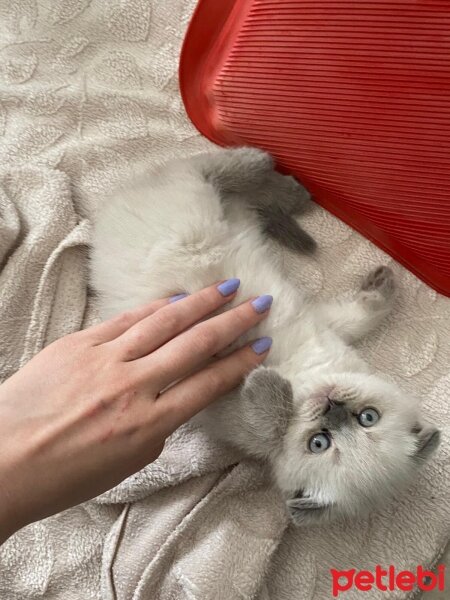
(229, 286)
(178, 297)
(262, 303)
(262, 345)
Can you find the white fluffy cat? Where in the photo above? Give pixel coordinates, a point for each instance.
(338, 438)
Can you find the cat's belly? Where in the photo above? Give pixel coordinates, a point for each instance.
(149, 248)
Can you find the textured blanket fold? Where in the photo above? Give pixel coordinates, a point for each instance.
(42, 253)
(88, 95)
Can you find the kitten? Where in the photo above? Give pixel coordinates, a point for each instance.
(338, 438)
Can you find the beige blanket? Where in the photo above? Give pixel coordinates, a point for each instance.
(88, 95)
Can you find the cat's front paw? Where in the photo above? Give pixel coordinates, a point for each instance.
(378, 288)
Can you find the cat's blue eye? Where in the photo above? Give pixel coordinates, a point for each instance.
(319, 443)
(368, 417)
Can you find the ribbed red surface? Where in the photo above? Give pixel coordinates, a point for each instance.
(352, 97)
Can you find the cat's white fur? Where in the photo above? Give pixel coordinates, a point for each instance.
(180, 229)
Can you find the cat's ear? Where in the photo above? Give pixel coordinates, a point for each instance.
(266, 407)
(428, 438)
(307, 511)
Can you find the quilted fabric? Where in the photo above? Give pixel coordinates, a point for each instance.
(89, 88)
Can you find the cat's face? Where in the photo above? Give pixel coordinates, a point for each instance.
(351, 441)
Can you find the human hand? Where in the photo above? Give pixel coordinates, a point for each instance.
(97, 405)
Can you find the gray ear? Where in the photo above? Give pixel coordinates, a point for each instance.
(266, 406)
(307, 511)
(428, 438)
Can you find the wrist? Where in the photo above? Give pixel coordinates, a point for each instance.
(9, 524)
(10, 520)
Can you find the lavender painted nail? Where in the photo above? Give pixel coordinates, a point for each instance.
(262, 345)
(262, 303)
(229, 286)
(178, 297)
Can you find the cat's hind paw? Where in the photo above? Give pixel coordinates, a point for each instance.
(378, 289)
(381, 280)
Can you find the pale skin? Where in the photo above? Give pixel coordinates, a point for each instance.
(97, 405)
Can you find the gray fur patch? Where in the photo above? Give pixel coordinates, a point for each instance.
(236, 170)
(276, 202)
(266, 403)
(428, 439)
(285, 230)
(246, 175)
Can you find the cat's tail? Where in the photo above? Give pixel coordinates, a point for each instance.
(247, 175)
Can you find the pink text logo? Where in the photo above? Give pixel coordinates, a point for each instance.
(387, 580)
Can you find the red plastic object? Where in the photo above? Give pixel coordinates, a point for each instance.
(351, 97)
